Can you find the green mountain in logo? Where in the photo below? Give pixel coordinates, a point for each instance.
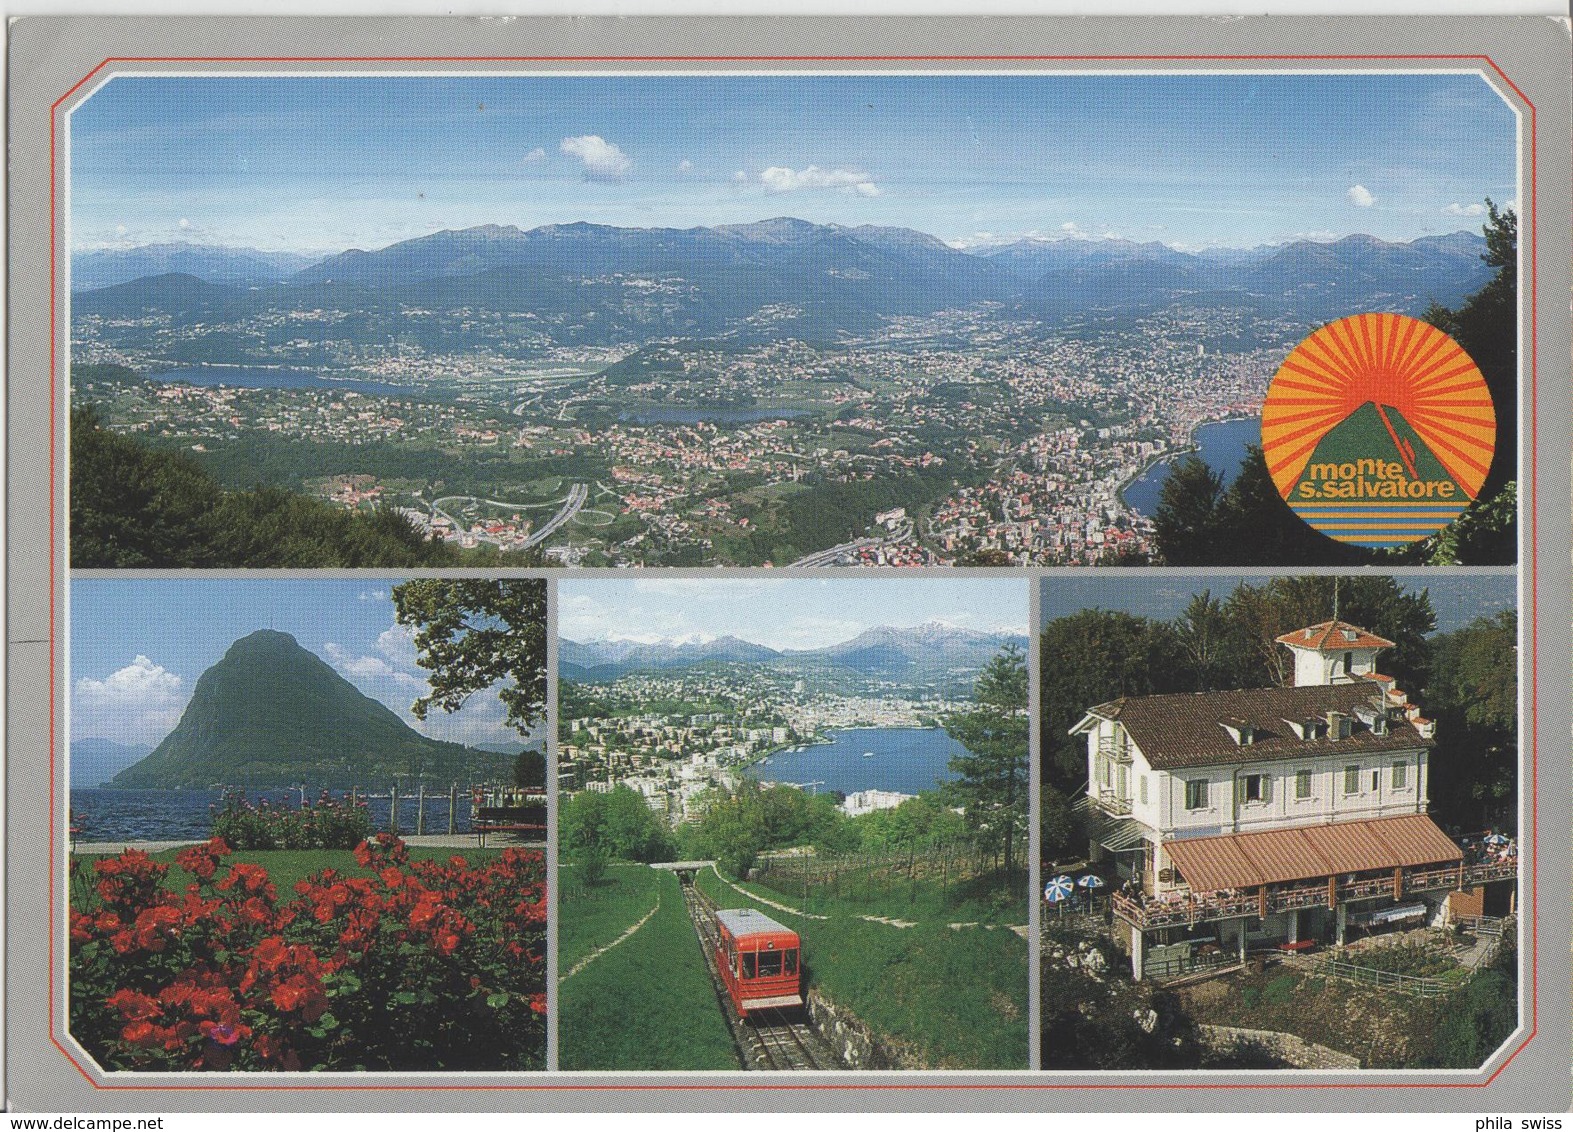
(1362, 435)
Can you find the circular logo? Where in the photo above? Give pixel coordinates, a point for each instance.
(1378, 430)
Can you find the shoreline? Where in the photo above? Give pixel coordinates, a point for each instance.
(1191, 446)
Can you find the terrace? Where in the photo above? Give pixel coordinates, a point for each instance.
(1185, 908)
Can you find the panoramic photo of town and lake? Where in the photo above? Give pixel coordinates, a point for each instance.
(1279, 821)
(277, 790)
(881, 319)
(846, 760)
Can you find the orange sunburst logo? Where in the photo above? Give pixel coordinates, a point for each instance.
(1378, 429)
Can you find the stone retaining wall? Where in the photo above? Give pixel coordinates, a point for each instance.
(846, 1035)
(1230, 1041)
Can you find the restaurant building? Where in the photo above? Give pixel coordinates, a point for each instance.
(1275, 817)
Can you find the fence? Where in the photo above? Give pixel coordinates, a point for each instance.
(1181, 965)
(1422, 987)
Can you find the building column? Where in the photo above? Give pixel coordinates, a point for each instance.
(1242, 940)
(1341, 917)
(1294, 926)
(1138, 953)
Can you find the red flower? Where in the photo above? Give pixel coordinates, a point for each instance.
(141, 1034)
(134, 1006)
(270, 953)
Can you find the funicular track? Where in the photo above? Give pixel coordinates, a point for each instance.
(776, 1039)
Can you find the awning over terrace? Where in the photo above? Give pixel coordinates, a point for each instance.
(1249, 860)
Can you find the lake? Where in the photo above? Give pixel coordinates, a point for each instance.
(267, 377)
(907, 760)
(182, 815)
(1221, 446)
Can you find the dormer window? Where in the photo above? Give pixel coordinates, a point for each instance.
(1240, 730)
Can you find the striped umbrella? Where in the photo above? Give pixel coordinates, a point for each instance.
(1496, 839)
(1060, 888)
(1090, 881)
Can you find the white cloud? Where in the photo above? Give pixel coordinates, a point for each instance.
(141, 702)
(1456, 209)
(780, 179)
(536, 154)
(372, 595)
(685, 166)
(602, 160)
(184, 224)
(740, 177)
(1360, 196)
(373, 669)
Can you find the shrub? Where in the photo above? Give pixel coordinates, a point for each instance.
(404, 966)
(325, 824)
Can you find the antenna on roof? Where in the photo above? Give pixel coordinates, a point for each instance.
(1335, 597)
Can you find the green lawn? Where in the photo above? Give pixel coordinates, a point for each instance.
(588, 919)
(648, 1003)
(287, 866)
(880, 893)
(940, 997)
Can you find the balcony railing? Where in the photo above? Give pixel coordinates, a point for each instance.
(1184, 907)
(1117, 749)
(1112, 803)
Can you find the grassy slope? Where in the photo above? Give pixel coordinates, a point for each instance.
(897, 898)
(648, 1003)
(951, 999)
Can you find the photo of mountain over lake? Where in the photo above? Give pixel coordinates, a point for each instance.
(855, 320)
(846, 757)
(182, 690)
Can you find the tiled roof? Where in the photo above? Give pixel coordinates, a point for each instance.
(1184, 730)
(1333, 636)
(1247, 860)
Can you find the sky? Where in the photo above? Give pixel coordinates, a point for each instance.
(139, 645)
(321, 164)
(1455, 598)
(781, 613)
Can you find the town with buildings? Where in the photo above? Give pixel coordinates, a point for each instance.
(949, 439)
(671, 736)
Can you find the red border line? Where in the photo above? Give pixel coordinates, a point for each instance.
(1005, 1085)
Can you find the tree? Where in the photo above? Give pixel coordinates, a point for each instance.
(529, 768)
(1187, 525)
(471, 634)
(616, 825)
(134, 506)
(1199, 522)
(1473, 696)
(1486, 326)
(1263, 613)
(992, 782)
(1090, 657)
(1209, 641)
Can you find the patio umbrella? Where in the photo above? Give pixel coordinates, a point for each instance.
(1496, 839)
(1060, 888)
(1090, 881)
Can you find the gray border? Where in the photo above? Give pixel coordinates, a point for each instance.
(49, 55)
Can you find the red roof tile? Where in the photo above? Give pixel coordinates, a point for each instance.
(1247, 860)
(1334, 635)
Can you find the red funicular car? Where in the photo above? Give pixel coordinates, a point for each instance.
(760, 961)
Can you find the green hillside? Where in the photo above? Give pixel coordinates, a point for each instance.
(271, 713)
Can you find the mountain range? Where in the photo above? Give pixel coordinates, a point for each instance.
(95, 761)
(934, 655)
(234, 267)
(270, 713)
(588, 283)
